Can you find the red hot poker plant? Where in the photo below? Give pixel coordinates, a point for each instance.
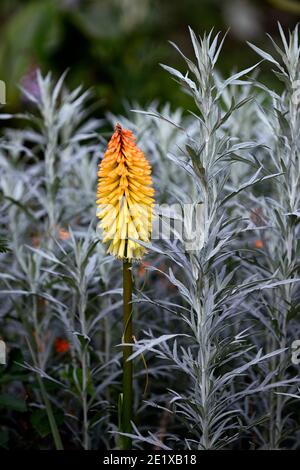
(125, 209)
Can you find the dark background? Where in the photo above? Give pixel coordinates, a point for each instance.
(115, 46)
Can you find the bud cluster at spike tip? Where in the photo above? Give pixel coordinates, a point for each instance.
(125, 196)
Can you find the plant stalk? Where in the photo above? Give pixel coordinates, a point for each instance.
(127, 351)
(37, 359)
(52, 422)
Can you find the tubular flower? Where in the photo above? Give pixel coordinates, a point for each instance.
(125, 196)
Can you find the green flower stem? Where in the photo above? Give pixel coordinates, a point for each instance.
(38, 362)
(52, 422)
(127, 351)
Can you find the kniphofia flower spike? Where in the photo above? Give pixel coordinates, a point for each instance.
(125, 196)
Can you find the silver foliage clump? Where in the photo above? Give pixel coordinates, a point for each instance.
(55, 268)
(216, 311)
(219, 290)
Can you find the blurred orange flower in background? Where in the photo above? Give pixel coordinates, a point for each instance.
(258, 244)
(61, 345)
(63, 234)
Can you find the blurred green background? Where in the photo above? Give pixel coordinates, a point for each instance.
(115, 46)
